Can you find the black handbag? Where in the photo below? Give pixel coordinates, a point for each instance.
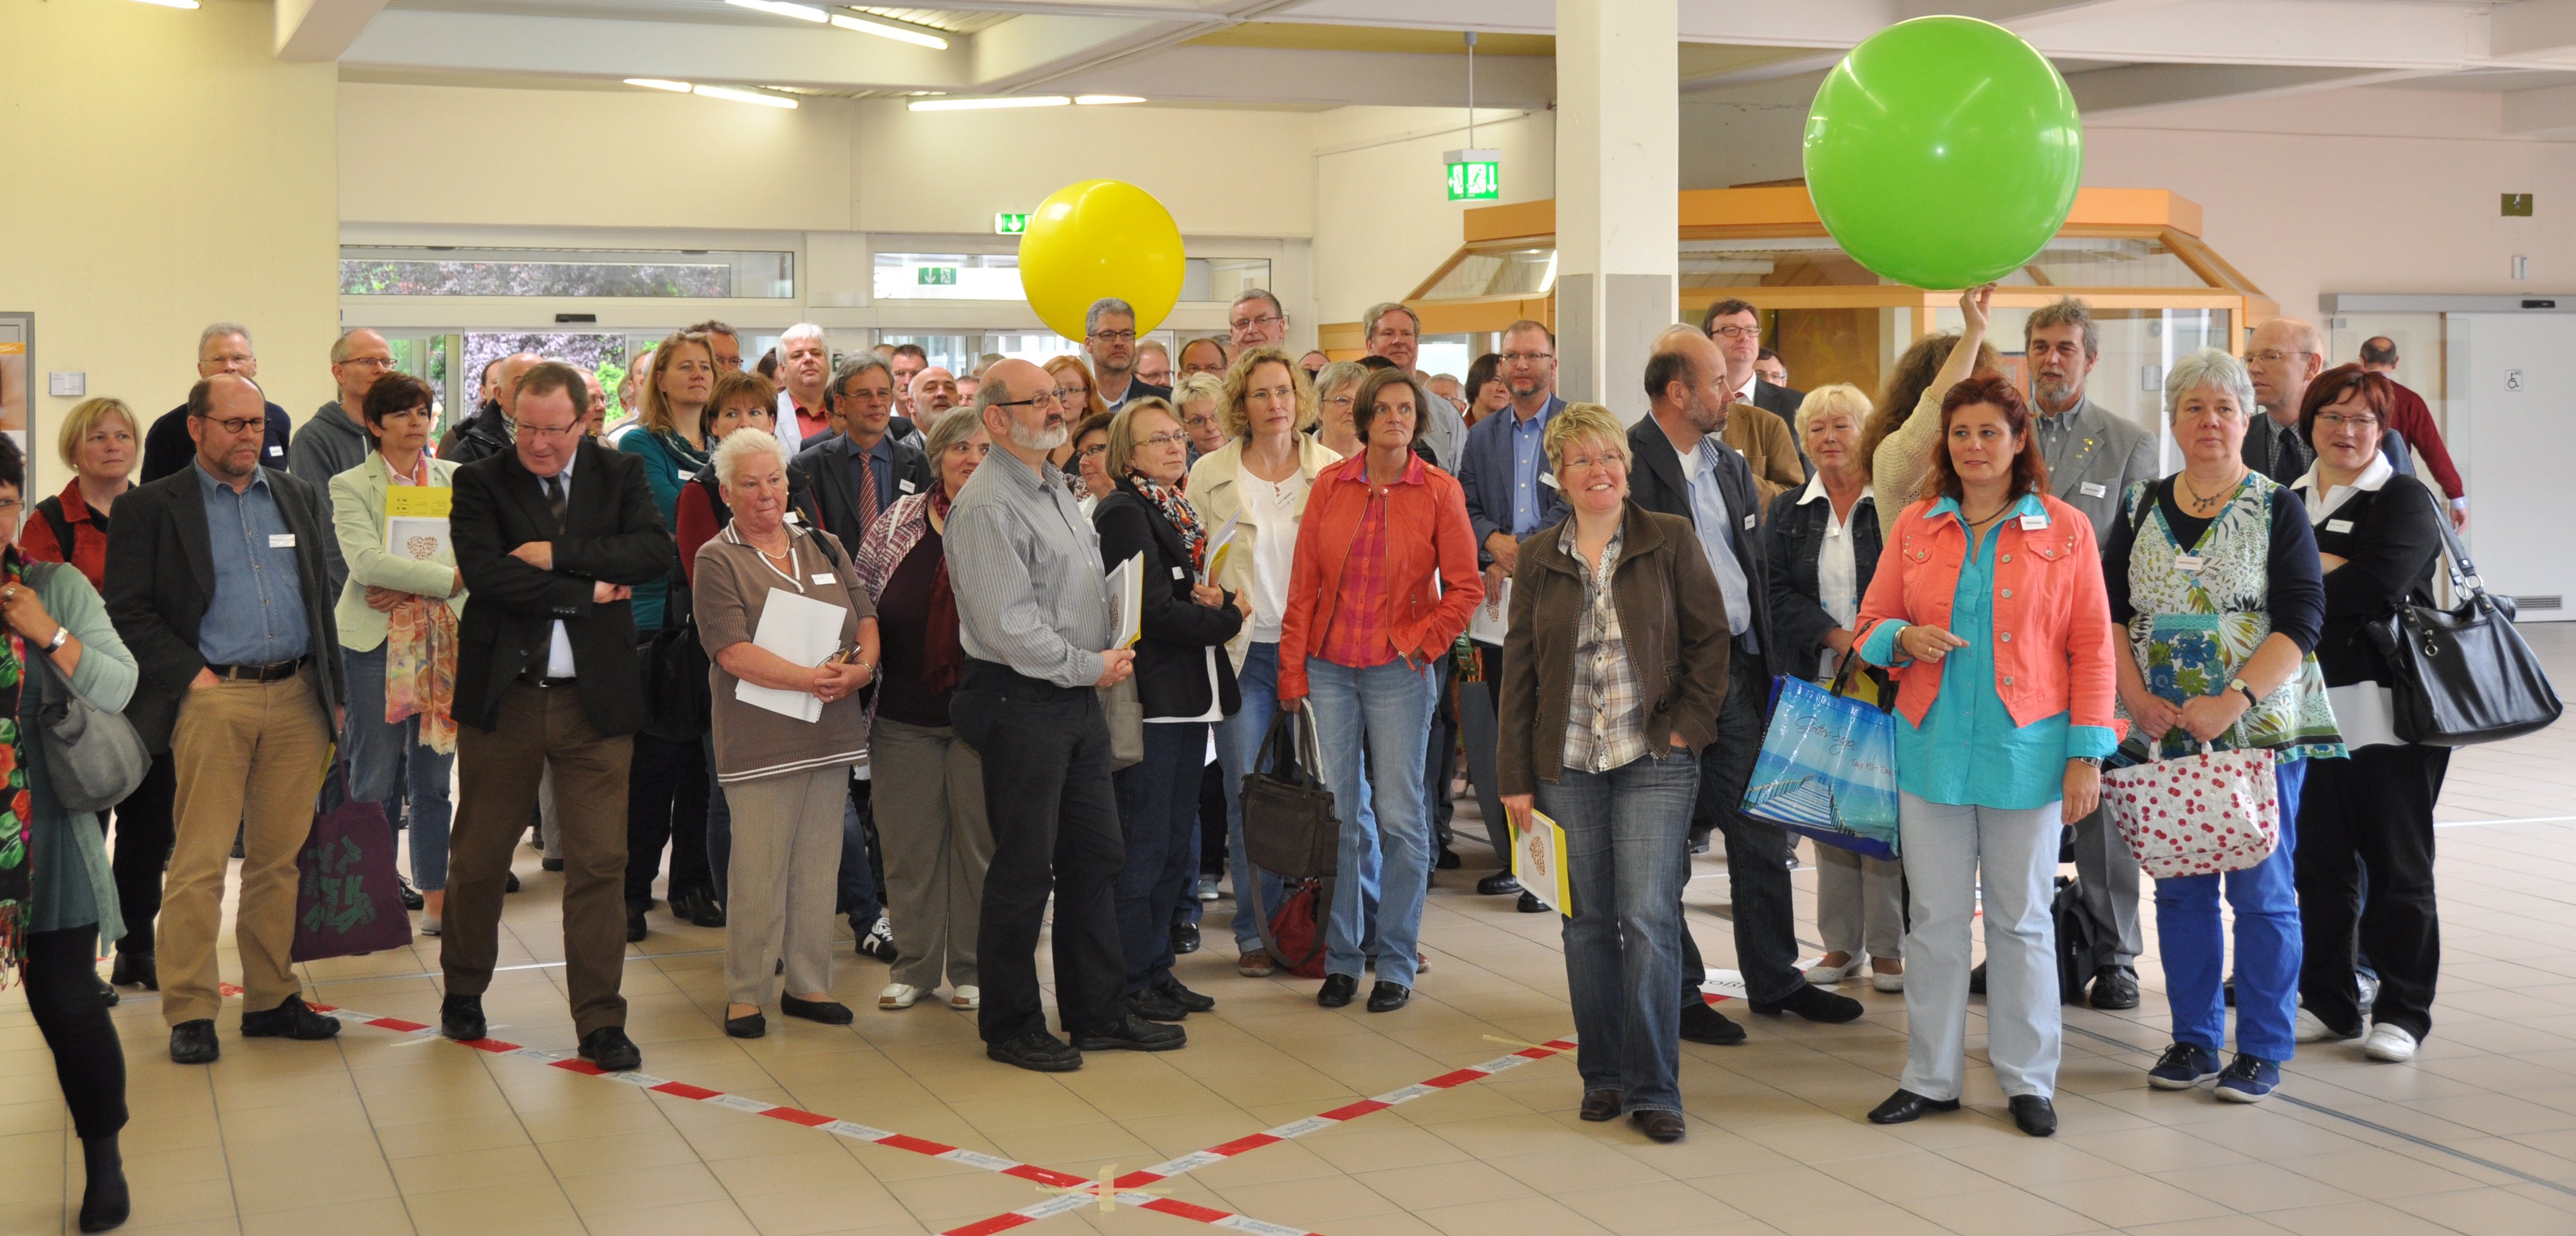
(678, 699)
(1289, 831)
(2461, 675)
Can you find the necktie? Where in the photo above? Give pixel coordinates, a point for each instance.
(554, 499)
(867, 494)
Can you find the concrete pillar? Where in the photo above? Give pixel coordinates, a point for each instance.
(1618, 177)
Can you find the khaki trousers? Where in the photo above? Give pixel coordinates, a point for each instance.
(541, 730)
(786, 864)
(251, 754)
(929, 797)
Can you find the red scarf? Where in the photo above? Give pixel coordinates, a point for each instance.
(943, 654)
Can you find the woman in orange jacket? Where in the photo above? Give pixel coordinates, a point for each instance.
(1384, 582)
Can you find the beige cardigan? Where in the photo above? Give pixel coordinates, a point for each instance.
(1904, 459)
(358, 517)
(1217, 498)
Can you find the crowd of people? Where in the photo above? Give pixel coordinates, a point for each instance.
(585, 657)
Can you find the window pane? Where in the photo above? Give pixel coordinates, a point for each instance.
(1523, 272)
(600, 355)
(1223, 279)
(384, 270)
(947, 276)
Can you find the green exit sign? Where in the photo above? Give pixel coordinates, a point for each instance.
(936, 276)
(1474, 175)
(1010, 225)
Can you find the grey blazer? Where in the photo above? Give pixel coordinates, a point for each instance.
(2093, 462)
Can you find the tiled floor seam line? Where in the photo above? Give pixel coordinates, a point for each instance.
(2367, 1123)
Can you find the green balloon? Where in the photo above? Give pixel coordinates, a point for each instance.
(1943, 152)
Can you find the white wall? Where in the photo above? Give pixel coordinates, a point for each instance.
(1383, 221)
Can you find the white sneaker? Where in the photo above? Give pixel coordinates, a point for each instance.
(2393, 1044)
(899, 996)
(2310, 1029)
(968, 996)
(430, 926)
(1887, 982)
(1823, 975)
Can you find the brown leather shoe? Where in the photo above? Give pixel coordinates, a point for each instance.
(1600, 1105)
(1255, 964)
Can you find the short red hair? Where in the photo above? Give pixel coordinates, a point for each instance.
(2029, 471)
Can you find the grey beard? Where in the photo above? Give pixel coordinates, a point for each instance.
(1037, 439)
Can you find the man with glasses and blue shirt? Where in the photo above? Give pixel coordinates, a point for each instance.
(1109, 339)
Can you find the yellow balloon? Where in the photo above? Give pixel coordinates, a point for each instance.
(1097, 238)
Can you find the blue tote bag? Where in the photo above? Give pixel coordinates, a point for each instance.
(1828, 766)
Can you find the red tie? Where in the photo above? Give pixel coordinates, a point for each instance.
(867, 494)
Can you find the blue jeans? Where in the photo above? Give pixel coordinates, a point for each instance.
(1623, 955)
(1386, 823)
(2269, 944)
(719, 820)
(1158, 815)
(378, 750)
(1238, 742)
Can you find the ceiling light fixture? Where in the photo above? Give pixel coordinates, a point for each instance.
(964, 105)
(655, 83)
(173, 4)
(740, 95)
(888, 30)
(801, 12)
(1103, 100)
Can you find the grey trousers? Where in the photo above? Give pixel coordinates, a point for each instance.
(1860, 904)
(2109, 874)
(937, 842)
(1945, 848)
(786, 865)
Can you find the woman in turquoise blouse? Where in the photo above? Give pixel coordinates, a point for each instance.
(1988, 607)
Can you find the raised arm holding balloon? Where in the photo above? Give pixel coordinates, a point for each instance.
(1902, 454)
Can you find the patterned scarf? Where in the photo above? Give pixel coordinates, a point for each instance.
(1168, 500)
(17, 857)
(420, 668)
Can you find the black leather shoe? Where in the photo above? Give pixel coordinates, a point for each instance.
(411, 898)
(1699, 843)
(2035, 1115)
(635, 928)
(1449, 859)
(550, 864)
(748, 1026)
(1661, 1126)
(136, 969)
(2114, 987)
(291, 1020)
(193, 1042)
(106, 994)
(1530, 904)
(1153, 1005)
(461, 1018)
(610, 1049)
(511, 885)
(1131, 1033)
(1337, 991)
(1499, 884)
(1184, 997)
(1905, 1106)
(1813, 1003)
(1977, 980)
(1037, 1051)
(828, 1012)
(1601, 1105)
(707, 913)
(1185, 938)
(105, 1201)
(1387, 997)
(1702, 1024)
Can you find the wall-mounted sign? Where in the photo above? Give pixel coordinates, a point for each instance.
(1010, 225)
(936, 276)
(1474, 174)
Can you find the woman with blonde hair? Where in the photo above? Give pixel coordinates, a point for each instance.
(1336, 389)
(1197, 398)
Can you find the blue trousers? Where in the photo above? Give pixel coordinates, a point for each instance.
(1368, 724)
(1623, 956)
(2268, 944)
(1238, 741)
(388, 762)
(1158, 815)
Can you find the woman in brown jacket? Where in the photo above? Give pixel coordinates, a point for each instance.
(1615, 665)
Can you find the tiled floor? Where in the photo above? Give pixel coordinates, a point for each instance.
(381, 1132)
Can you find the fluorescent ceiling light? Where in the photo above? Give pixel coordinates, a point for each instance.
(888, 30)
(173, 4)
(655, 83)
(962, 105)
(745, 96)
(1095, 100)
(801, 12)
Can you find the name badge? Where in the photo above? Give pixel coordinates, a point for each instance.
(791, 517)
(2190, 562)
(1549, 479)
(2338, 525)
(823, 578)
(282, 540)
(2091, 489)
(1177, 573)
(277, 450)
(2034, 523)
(903, 484)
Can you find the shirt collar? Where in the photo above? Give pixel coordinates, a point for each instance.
(2323, 504)
(208, 481)
(1816, 489)
(1744, 393)
(2029, 505)
(1355, 468)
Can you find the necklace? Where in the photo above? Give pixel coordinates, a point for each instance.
(2200, 500)
(1988, 519)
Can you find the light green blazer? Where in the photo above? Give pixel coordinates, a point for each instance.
(358, 515)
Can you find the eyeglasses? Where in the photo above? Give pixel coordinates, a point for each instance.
(377, 363)
(549, 431)
(2274, 356)
(9, 506)
(1527, 358)
(1072, 394)
(1042, 397)
(2337, 420)
(1265, 321)
(1735, 332)
(1339, 401)
(1200, 421)
(1588, 461)
(238, 424)
(1092, 451)
(1114, 336)
(1165, 439)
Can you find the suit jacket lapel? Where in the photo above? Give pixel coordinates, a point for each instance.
(189, 512)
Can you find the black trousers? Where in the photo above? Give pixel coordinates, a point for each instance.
(2374, 811)
(143, 838)
(666, 803)
(1054, 814)
(1766, 942)
(89, 1062)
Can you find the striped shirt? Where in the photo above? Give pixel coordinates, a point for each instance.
(1025, 567)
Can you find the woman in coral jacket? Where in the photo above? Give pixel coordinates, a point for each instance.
(1384, 583)
(1990, 608)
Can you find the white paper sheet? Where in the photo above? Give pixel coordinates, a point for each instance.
(1127, 602)
(1492, 618)
(1218, 545)
(803, 631)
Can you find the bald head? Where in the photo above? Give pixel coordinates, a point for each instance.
(1686, 380)
(2284, 356)
(506, 380)
(1027, 430)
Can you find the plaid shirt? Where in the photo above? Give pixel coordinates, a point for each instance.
(1358, 638)
(1605, 724)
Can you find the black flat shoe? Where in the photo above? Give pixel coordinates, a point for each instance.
(136, 969)
(511, 885)
(461, 1018)
(1661, 1126)
(1184, 997)
(1387, 997)
(1813, 1003)
(1185, 938)
(193, 1042)
(1499, 884)
(106, 994)
(1337, 990)
(1905, 1106)
(1530, 904)
(610, 1049)
(1131, 1033)
(747, 1026)
(1601, 1105)
(550, 864)
(2114, 988)
(290, 1020)
(635, 928)
(105, 1202)
(828, 1012)
(1154, 1005)
(1449, 860)
(411, 898)
(1977, 980)
(1702, 1024)
(2035, 1115)
(1037, 1051)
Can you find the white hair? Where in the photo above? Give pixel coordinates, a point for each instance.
(2208, 367)
(801, 330)
(739, 447)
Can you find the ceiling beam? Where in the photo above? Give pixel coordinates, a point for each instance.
(320, 30)
(1032, 46)
(2140, 87)
(798, 55)
(1282, 75)
(2532, 30)
(2546, 112)
(2027, 15)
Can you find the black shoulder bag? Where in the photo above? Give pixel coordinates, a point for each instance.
(2461, 675)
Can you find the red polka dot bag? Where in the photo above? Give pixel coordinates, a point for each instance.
(2203, 814)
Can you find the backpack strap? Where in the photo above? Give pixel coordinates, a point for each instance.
(52, 509)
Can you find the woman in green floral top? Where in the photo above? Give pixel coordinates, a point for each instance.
(2214, 572)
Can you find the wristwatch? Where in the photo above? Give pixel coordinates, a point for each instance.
(2238, 684)
(2094, 760)
(62, 636)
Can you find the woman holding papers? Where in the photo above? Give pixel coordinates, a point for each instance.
(1256, 484)
(397, 620)
(1613, 671)
(1183, 682)
(794, 637)
(1384, 582)
(1989, 608)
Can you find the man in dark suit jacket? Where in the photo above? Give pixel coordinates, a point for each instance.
(216, 581)
(1681, 468)
(847, 498)
(551, 537)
